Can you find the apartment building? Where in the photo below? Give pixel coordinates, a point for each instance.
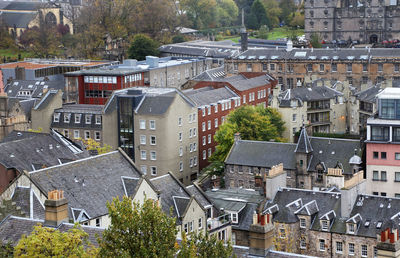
(382, 145)
(293, 67)
(155, 128)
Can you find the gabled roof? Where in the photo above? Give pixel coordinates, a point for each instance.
(46, 99)
(309, 94)
(303, 144)
(89, 183)
(181, 204)
(329, 215)
(211, 74)
(369, 95)
(199, 195)
(309, 208)
(209, 95)
(37, 88)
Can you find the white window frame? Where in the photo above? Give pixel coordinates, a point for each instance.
(303, 223)
(56, 117)
(339, 244)
(200, 223)
(97, 135)
(88, 119)
(98, 120)
(322, 247)
(143, 169)
(77, 118)
(143, 154)
(209, 138)
(216, 122)
(152, 124)
(77, 134)
(180, 166)
(351, 250)
(364, 252)
(153, 170)
(142, 139)
(87, 135)
(209, 125)
(180, 152)
(66, 133)
(142, 124)
(153, 155)
(179, 121)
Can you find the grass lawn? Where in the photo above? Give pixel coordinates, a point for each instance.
(277, 33)
(13, 54)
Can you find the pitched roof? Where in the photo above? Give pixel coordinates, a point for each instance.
(241, 83)
(369, 95)
(156, 105)
(211, 74)
(89, 183)
(19, 19)
(35, 87)
(310, 94)
(199, 195)
(45, 100)
(209, 95)
(303, 144)
(262, 154)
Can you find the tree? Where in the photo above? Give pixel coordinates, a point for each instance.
(142, 46)
(258, 16)
(92, 145)
(297, 20)
(315, 40)
(138, 231)
(263, 32)
(253, 123)
(227, 12)
(201, 13)
(287, 7)
(48, 242)
(273, 11)
(203, 246)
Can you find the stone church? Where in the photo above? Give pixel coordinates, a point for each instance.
(367, 21)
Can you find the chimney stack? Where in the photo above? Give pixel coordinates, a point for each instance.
(56, 209)
(261, 234)
(352, 188)
(388, 244)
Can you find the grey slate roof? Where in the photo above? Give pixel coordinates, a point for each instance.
(310, 94)
(80, 109)
(303, 144)
(209, 95)
(35, 87)
(262, 154)
(368, 95)
(156, 105)
(211, 74)
(180, 205)
(21, 6)
(333, 151)
(19, 19)
(43, 150)
(199, 195)
(45, 100)
(290, 200)
(242, 83)
(27, 106)
(90, 183)
(169, 187)
(12, 228)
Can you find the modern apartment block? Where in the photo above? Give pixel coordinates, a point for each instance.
(155, 127)
(383, 145)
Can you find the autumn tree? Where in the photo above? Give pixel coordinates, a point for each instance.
(227, 12)
(297, 20)
(253, 123)
(201, 13)
(142, 46)
(138, 230)
(49, 242)
(92, 145)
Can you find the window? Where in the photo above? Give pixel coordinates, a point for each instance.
(294, 118)
(204, 140)
(234, 217)
(272, 67)
(153, 171)
(209, 110)
(209, 138)
(216, 122)
(365, 68)
(152, 125)
(376, 155)
(349, 67)
(325, 225)
(364, 251)
(282, 233)
(56, 118)
(180, 166)
(180, 137)
(143, 168)
(98, 224)
(194, 132)
(322, 245)
(143, 155)
(76, 134)
(249, 67)
(379, 133)
(302, 223)
(191, 226)
(152, 140)
(180, 151)
(264, 66)
(397, 156)
(153, 155)
(200, 223)
(142, 124)
(87, 135)
(88, 119)
(351, 248)
(339, 247)
(180, 121)
(77, 118)
(383, 176)
(209, 125)
(97, 136)
(186, 228)
(383, 155)
(397, 176)
(203, 126)
(209, 152)
(375, 175)
(98, 120)
(380, 67)
(203, 111)
(396, 67)
(142, 139)
(334, 67)
(309, 68)
(195, 161)
(216, 108)
(66, 133)
(322, 68)
(351, 228)
(204, 154)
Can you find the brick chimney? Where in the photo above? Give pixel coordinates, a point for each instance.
(261, 234)
(388, 244)
(56, 209)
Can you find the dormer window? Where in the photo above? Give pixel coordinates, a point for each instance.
(67, 118)
(325, 225)
(302, 223)
(88, 119)
(77, 118)
(234, 217)
(293, 103)
(56, 118)
(351, 228)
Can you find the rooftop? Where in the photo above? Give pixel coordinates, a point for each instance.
(31, 64)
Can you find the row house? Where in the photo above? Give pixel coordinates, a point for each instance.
(293, 67)
(321, 108)
(306, 163)
(77, 121)
(382, 145)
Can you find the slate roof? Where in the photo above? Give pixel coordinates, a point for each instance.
(19, 19)
(169, 187)
(241, 83)
(309, 94)
(80, 109)
(89, 183)
(262, 154)
(35, 87)
(278, 254)
(21, 6)
(290, 200)
(156, 105)
(12, 228)
(369, 95)
(45, 100)
(333, 151)
(199, 195)
(380, 212)
(27, 106)
(211, 74)
(303, 144)
(39, 149)
(209, 95)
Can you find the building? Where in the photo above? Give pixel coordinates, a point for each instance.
(292, 67)
(307, 164)
(27, 151)
(382, 149)
(77, 121)
(342, 20)
(95, 86)
(19, 16)
(42, 111)
(154, 126)
(46, 69)
(31, 89)
(322, 109)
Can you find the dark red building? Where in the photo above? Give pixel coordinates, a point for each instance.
(217, 97)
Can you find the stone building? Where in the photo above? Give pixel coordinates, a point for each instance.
(367, 21)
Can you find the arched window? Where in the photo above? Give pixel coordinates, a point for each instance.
(50, 19)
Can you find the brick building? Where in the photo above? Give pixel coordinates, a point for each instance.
(365, 21)
(292, 67)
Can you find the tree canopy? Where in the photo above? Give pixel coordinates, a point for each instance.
(142, 46)
(253, 123)
(258, 16)
(49, 242)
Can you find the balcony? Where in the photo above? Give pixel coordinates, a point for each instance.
(219, 222)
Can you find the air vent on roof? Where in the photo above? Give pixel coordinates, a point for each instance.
(320, 151)
(381, 205)
(12, 155)
(333, 153)
(76, 179)
(379, 224)
(367, 223)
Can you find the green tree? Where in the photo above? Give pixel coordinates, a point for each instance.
(203, 246)
(202, 13)
(297, 20)
(48, 242)
(138, 230)
(258, 16)
(273, 11)
(287, 7)
(315, 40)
(142, 46)
(253, 123)
(263, 32)
(227, 12)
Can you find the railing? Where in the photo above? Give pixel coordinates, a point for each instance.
(218, 222)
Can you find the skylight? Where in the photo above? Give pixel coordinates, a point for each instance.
(367, 223)
(379, 224)
(300, 54)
